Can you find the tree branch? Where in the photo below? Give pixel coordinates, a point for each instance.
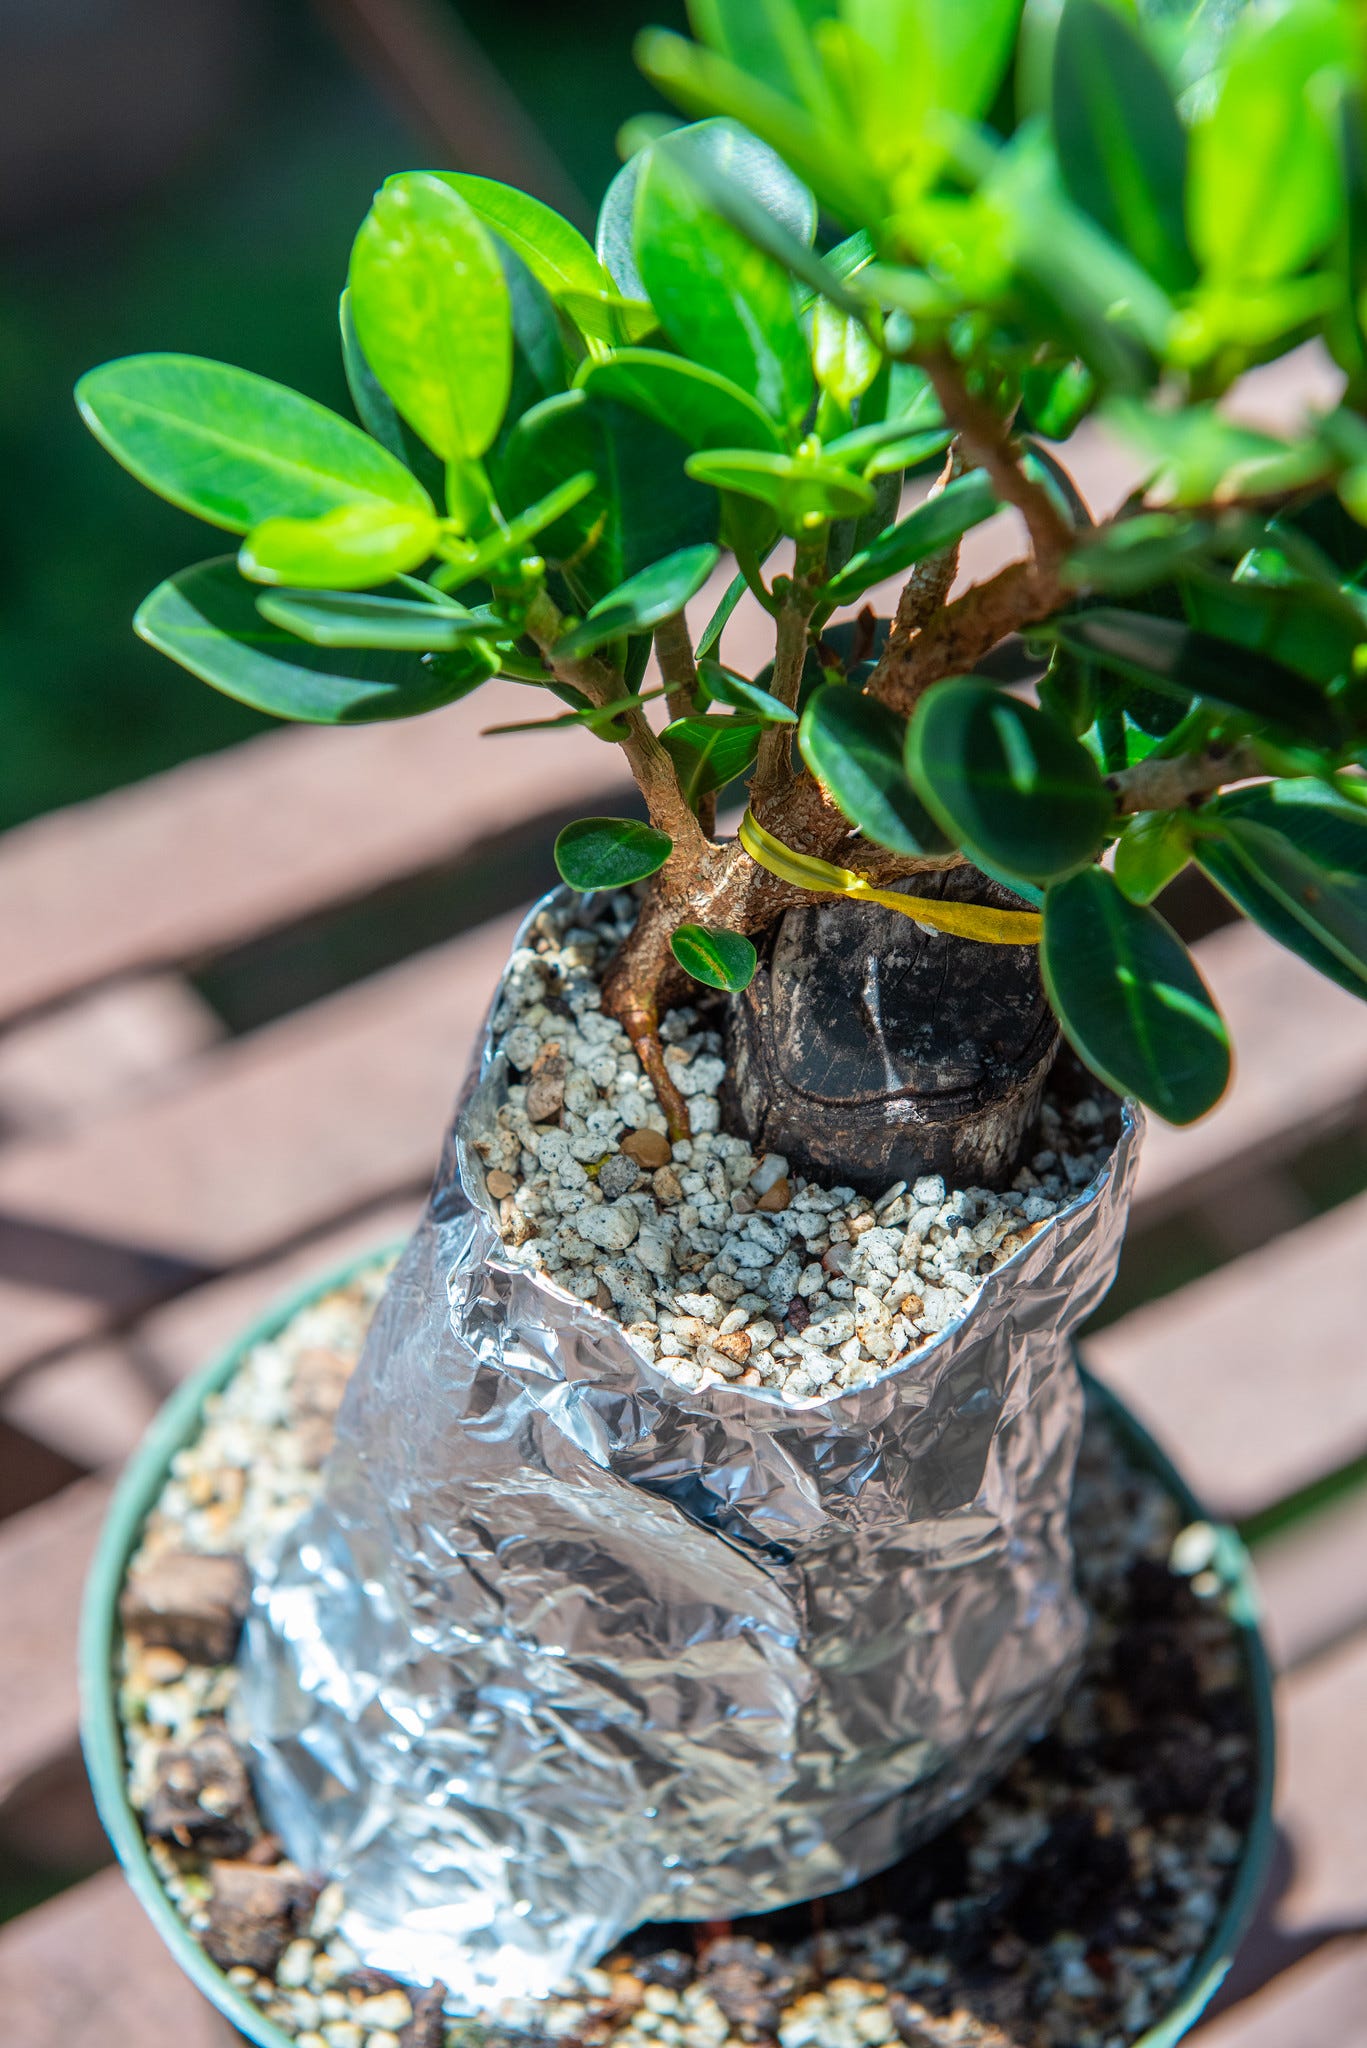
(1186, 779)
(674, 652)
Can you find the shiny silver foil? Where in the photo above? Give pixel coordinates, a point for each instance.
(565, 1646)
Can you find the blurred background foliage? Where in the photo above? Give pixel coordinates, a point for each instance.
(188, 174)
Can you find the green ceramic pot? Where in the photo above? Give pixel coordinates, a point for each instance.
(178, 1424)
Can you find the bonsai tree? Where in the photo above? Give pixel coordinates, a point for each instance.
(900, 239)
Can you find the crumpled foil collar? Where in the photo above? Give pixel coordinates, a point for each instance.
(564, 1646)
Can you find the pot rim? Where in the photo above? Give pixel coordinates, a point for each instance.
(176, 1423)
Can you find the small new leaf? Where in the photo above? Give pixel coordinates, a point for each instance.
(715, 957)
(710, 752)
(642, 601)
(610, 853)
(937, 524)
(353, 548)
(853, 746)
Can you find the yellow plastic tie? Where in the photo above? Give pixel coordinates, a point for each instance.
(960, 920)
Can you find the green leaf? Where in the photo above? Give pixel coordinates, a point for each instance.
(334, 619)
(803, 490)
(914, 59)
(1164, 654)
(1152, 850)
(717, 958)
(610, 853)
(743, 163)
(1057, 397)
(724, 686)
(1121, 145)
(234, 448)
(1312, 629)
(1263, 192)
(702, 82)
(1004, 779)
(651, 595)
(642, 508)
(353, 548)
(716, 625)
(721, 300)
(1134, 554)
(206, 618)
(1130, 999)
(853, 747)
(432, 313)
(555, 253)
(377, 412)
(703, 408)
(845, 357)
(937, 524)
(710, 752)
(771, 39)
(1200, 458)
(1293, 856)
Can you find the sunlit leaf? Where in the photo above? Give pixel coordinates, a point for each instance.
(943, 519)
(353, 548)
(610, 853)
(643, 600)
(709, 752)
(361, 619)
(853, 746)
(717, 958)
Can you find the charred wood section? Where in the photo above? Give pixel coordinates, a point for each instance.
(868, 1049)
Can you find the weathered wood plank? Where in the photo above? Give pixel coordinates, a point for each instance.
(88, 1970)
(1314, 1581)
(280, 1135)
(1253, 1376)
(225, 848)
(44, 1556)
(1318, 2003)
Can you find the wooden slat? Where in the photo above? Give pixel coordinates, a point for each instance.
(1300, 1069)
(88, 1970)
(1318, 2003)
(1253, 1376)
(222, 849)
(44, 1556)
(1314, 1581)
(281, 1134)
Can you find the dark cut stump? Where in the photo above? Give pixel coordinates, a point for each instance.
(868, 1049)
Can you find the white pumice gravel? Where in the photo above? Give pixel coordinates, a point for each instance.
(1063, 1912)
(721, 1265)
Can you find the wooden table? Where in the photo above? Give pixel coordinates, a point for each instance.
(235, 1002)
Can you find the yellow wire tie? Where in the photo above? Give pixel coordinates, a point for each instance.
(960, 920)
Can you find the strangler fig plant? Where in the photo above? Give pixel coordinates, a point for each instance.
(901, 239)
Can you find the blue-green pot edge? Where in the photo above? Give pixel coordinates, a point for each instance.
(102, 1738)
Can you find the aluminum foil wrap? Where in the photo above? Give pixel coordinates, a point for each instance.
(565, 1646)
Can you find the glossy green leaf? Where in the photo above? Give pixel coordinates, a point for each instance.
(716, 625)
(643, 600)
(746, 166)
(914, 59)
(555, 252)
(234, 448)
(353, 548)
(1293, 856)
(1004, 778)
(709, 752)
(643, 506)
(853, 747)
(802, 490)
(1314, 630)
(704, 409)
(1121, 145)
(206, 618)
(1163, 653)
(704, 83)
(845, 357)
(721, 300)
(724, 686)
(378, 414)
(715, 957)
(356, 619)
(432, 313)
(1263, 192)
(1130, 999)
(1151, 852)
(610, 853)
(963, 503)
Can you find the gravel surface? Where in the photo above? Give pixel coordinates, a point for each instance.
(722, 1265)
(1063, 1912)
